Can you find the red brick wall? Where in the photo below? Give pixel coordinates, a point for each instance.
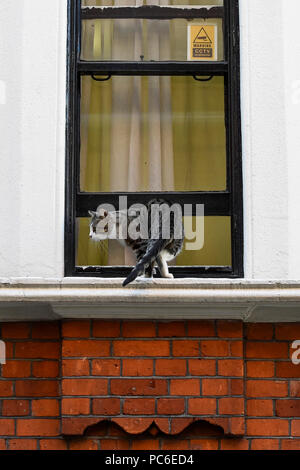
(149, 385)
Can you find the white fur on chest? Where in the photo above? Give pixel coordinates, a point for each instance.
(166, 255)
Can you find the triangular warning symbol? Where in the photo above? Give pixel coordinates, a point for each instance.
(202, 37)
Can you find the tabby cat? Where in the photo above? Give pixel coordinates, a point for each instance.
(150, 247)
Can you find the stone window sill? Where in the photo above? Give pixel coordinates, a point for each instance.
(53, 299)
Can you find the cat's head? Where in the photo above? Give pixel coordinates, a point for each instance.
(101, 224)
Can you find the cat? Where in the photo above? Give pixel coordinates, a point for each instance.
(155, 247)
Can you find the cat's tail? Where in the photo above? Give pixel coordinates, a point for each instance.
(154, 249)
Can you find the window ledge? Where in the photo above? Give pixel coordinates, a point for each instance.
(250, 301)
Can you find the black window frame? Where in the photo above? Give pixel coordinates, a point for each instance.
(218, 203)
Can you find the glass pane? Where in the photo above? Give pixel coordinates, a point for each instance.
(137, 39)
(152, 134)
(211, 245)
(121, 3)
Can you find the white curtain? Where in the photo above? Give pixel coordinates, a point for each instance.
(126, 130)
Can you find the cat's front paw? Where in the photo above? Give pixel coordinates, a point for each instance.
(169, 276)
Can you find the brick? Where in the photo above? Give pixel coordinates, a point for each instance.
(229, 329)
(204, 444)
(237, 425)
(141, 348)
(38, 427)
(7, 427)
(174, 444)
(185, 348)
(266, 388)
(74, 426)
(145, 444)
(264, 350)
(45, 369)
(45, 407)
(236, 348)
(138, 387)
(114, 444)
(231, 406)
(201, 329)
(106, 329)
(287, 331)
(202, 406)
(170, 406)
(137, 367)
(212, 348)
(115, 431)
(75, 406)
(15, 407)
(22, 444)
(290, 444)
(288, 408)
(260, 408)
(36, 388)
(9, 349)
(84, 387)
(75, 367)
(37, 350)
(106, 406)
(2, 444)
(171, 329)
(262, 331)
(109, 367)
(234, 444)
(215, 387)
(237, 386)
(170, 367)
(76, 329)
(6, 388)
(265, 444)
(83, 444)
(295, 388)
(15, 330)
(262, 369)
(184, 387)
(16, 369)
(267, 427)
(85, 348)
(45, 330)
(138, 329)
(181, 425)
(231, 367)
(287, 370)
(53, 444)
(136, 406)
(202, 367)
(295, 429)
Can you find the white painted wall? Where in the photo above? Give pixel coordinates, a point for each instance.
(271, 143)
(32, 150)
(32, 128)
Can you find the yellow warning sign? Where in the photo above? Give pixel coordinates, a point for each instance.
(202, 42)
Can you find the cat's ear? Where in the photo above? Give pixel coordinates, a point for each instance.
(92, 213)
(103, 213)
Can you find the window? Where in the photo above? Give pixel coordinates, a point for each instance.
(154, 111)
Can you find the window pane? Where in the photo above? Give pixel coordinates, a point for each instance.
(138, 39)
(152, 134)
(210, 247)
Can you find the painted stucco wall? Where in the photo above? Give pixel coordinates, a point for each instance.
(32, 128)
(32, 119)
